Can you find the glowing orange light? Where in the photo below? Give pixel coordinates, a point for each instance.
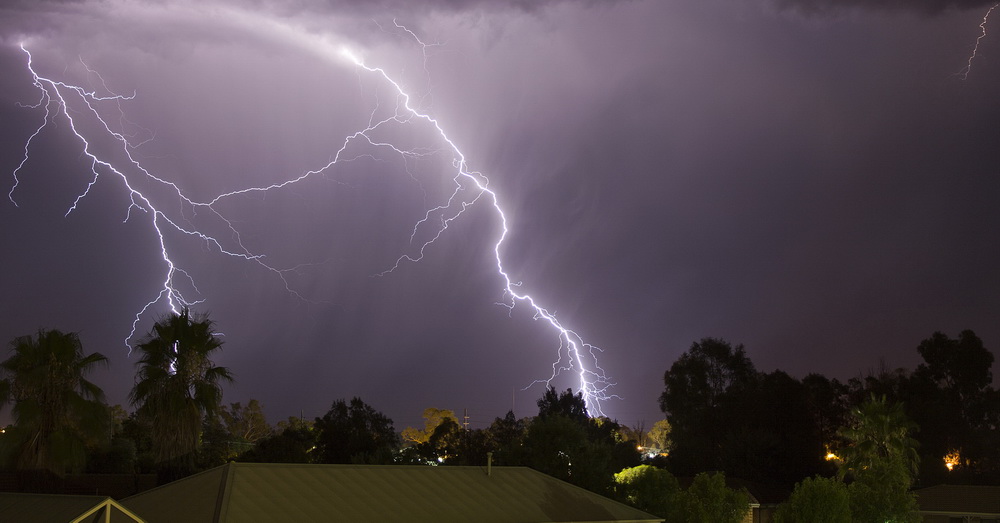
(952, 459)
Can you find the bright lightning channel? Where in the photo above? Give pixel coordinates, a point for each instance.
(975, 49)
(574, 355)
(54, 99)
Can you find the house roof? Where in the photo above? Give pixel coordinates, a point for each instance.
(50, 508)
(262, 492)
(760, 493)
(116, 486)
(960, 500)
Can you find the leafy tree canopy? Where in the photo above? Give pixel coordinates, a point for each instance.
(881, 493)
(247, 424)
(648, 488)
(565, 403)
(702, 375)
(659, 435)
(433, 417)
(505, 436)
(709, 500)
(354, 433)
(817, 500)
(294, 444)
(963, 365)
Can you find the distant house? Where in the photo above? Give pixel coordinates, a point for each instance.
(764, 499)
(266, 492)
(57, 508)
(959, 503)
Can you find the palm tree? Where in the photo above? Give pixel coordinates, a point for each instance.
(880, 431)
(177, 384)
(57, 412)
(882, 459)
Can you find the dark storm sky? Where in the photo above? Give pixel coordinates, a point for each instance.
(810, 178)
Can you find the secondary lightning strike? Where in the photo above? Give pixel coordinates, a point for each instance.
(573, 355)
(975, 49)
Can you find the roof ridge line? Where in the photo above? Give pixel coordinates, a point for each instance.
(223, 497)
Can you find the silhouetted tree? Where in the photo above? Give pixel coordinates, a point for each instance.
(444, 444)
(177, 385)
(354, 433)
(702, 387)
(826, 400)
(962, 366)
(294, 444)
(120, 457)
(703, 375)
(879, 381)
(57, 411)
(559, 447)
(950, 398)
(216, 445)
(565, 403)
(770, 434)
(138, 429)
(293, 422)
(505, 436)
(475, 444)
(565, 443)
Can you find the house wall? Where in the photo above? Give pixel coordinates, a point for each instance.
(762, 515)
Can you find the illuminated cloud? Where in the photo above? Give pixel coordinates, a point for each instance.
(920, 6)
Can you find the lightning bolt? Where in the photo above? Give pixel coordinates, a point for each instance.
(55, 99)
(975, 49)
(60, 100)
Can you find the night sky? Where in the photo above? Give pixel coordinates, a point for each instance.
(815, 179)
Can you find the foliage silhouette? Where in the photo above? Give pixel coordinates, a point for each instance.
(57, 411)
(177, 385)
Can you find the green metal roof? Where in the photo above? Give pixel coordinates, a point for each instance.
(264, 492)
(57, 508)
(960, 500)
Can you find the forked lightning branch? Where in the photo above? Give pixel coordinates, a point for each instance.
(87, 115)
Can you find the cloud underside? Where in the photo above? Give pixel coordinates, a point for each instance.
(921, 6)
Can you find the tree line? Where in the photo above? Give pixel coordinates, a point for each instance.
(62, 422)
(867, 441)
(848, 450)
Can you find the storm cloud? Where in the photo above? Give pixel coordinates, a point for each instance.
(930, 7)
(820, 189)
